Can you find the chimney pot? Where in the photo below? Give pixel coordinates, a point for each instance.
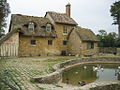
(68, 9)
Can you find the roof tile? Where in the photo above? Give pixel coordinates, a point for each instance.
(62, 18)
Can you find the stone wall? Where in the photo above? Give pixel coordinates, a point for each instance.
(74, 44)
(10, 47)
(107, 87)
(86, 51)
(60, 36)
(40, 49)
(87, 61)
(77, 47)
(101, 86)
(52, 78)
(14, 39)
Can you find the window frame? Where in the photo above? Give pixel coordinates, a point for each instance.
(33, 42)
(48, 27)
(64, 53)
(31, 26)
(65, 30)
(65, 42)
(50, 42)
(90, 45)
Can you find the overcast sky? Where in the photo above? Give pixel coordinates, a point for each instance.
(92, 14)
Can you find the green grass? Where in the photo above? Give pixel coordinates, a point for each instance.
(58, 60)
(19, 71)
(9, 77)
(49, 68)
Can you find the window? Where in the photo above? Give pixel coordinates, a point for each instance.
(31, 26)
(90, 45)
(48, 28)
(33, 42)
(65, 32)
(49, 42)
(64, 42)
(63, 53)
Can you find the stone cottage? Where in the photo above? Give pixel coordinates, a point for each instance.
(53, 34)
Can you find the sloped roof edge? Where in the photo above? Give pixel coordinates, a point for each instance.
(7, 36)
(86, 35)
(61, 18)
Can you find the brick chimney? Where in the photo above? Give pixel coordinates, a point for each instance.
(68, 9)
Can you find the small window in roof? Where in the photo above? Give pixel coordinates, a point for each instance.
(31, 26)
(48, 27)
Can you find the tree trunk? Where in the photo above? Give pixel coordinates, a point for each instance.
(119, 26)
(119, 30)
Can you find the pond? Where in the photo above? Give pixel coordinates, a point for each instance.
(91, 73)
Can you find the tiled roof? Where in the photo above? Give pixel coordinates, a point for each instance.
(61, 18)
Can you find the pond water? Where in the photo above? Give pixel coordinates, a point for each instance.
(91, 73)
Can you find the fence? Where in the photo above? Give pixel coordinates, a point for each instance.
(8, 50)
(111, 50)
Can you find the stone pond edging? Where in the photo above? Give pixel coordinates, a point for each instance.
(56, 76)
(101, 86)
(85, 61)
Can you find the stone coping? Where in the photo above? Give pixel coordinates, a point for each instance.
(56, 76)
(93, 60)
(101, 86)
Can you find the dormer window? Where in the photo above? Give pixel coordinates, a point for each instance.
(48, 27)
(31, 26)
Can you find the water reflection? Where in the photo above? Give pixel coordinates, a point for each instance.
(91, 73)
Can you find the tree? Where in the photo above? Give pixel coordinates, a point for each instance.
(101, 37)
(107, 40)
(115, 13)
(110, 40)
(118, 42)
(102, 32)
(4, 11)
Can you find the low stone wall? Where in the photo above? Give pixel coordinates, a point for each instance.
(56, 76)
(102, 86)
(87, 60)
(52, 78)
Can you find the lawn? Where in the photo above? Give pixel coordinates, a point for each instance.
(16, 72)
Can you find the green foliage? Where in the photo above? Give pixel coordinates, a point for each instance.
(4, 11)
(102, 32)
(107, 40)
(118, 42)
(115, 12)
(49, 69)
